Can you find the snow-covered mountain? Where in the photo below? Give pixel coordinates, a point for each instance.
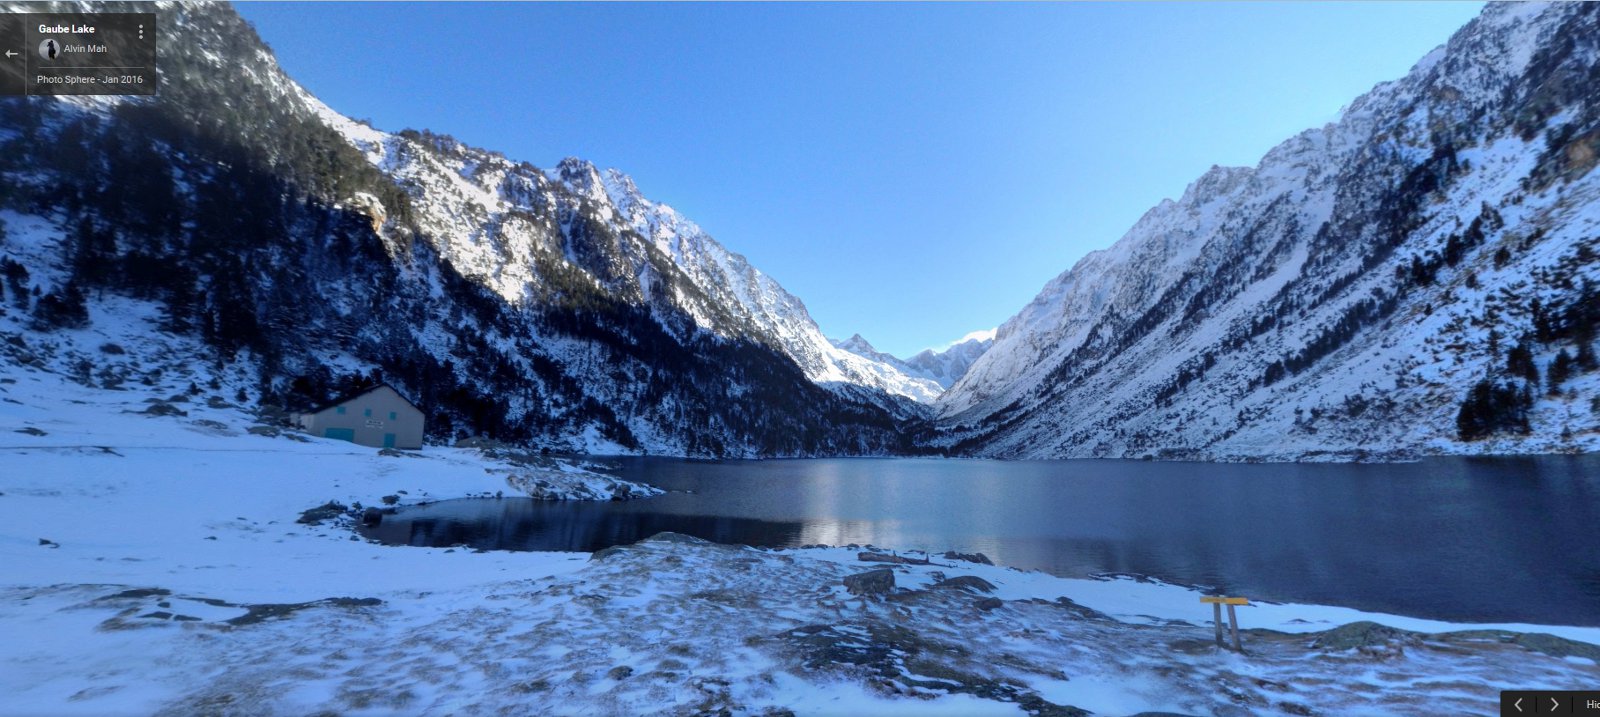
(1417, 277)
(943, 367)
(475, 205)
(558, 306)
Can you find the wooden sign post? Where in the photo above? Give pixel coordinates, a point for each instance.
(1233, 619)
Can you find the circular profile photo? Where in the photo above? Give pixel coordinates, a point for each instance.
(50, 49)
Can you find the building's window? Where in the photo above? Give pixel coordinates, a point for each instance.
(339, 410)
(367, 413)
(393, 417)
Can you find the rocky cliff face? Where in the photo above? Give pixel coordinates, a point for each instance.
(1417, 277)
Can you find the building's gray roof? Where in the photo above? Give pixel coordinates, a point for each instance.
(358, 393)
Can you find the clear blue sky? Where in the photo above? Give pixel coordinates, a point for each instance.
(911, 171)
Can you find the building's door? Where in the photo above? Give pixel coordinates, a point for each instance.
(343, 434)
(388, 440)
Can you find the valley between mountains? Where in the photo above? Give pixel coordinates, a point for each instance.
(1415, 278)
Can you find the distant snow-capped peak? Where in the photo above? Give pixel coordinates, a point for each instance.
(943, 366)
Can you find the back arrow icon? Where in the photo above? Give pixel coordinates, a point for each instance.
(10, 54)
(1518, 704)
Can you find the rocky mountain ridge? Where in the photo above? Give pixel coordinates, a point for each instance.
(944, 367)
(311, 253)
(1404, 281)
(1417, 277)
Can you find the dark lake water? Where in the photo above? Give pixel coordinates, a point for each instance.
(1507, 539)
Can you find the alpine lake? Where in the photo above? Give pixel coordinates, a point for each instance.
(1460, 539)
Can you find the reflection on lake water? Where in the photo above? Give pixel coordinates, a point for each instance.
(1514, 539)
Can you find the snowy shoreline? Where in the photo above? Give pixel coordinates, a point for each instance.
(155, 565)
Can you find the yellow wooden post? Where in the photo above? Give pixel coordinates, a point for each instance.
(1233, 618)
(1233, 624)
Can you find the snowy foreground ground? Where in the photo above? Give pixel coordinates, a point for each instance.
(153, 564)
